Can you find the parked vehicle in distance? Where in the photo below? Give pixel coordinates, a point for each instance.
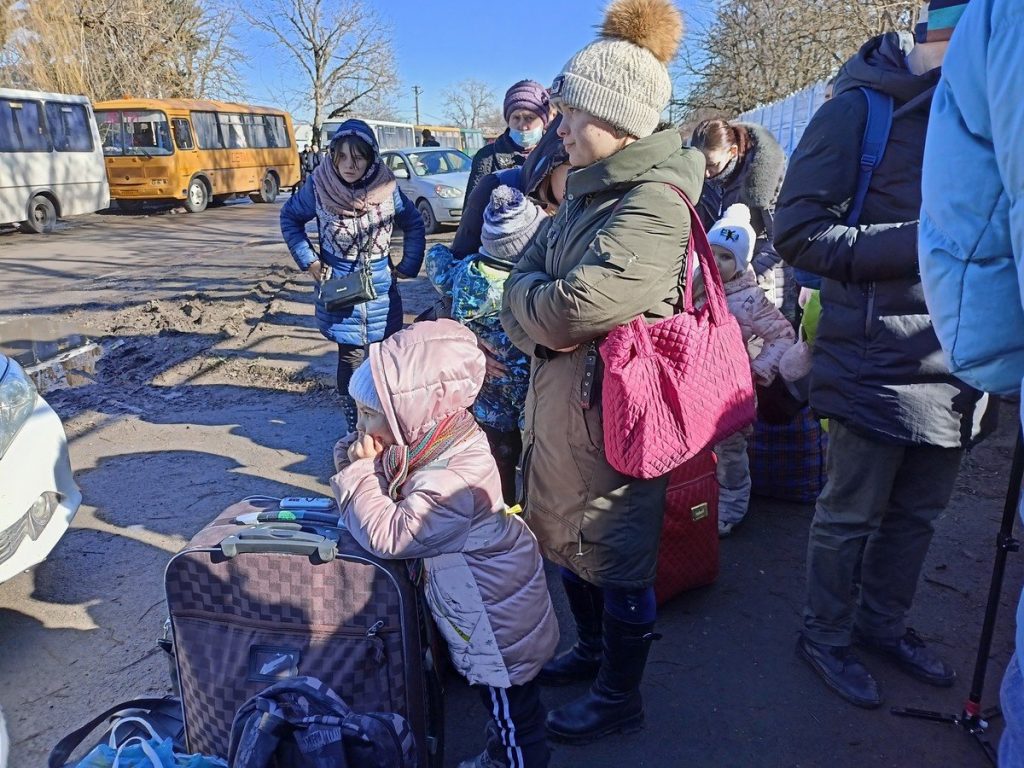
(435, 179)
(389, 135)
(199, 152)
(38, 495)
(51, 162)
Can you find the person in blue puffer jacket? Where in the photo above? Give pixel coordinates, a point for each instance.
(356, 203)
(971, 237)
(475, 286)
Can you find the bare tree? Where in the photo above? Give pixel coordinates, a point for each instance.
(202, 65)
(469, 102)
(343, 49)
(110, 48)
(757, 51)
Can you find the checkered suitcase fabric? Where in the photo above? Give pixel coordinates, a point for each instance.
(352, 623)
(688, 553)
(787, 461)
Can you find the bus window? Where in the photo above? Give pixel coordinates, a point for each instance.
(232, 131)
(182, 133)
(134, 132)
(70, 130)
(22, 128)
(207, 130)
(277, 133)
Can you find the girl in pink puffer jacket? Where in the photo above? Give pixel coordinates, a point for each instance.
(732, 240)
(418, 481)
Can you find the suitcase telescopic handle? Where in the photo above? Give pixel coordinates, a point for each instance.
(279, 540)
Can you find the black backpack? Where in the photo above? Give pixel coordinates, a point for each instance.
(301, 723)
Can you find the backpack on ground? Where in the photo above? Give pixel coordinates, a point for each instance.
(301, 723)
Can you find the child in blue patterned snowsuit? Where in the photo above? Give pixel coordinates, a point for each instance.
(475, 285)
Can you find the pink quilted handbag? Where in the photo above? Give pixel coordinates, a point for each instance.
(674, 387)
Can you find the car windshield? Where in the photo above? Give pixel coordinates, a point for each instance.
(434, 163)
(134, 132)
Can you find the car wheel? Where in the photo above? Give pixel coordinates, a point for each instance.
(42, 216)
(268, 190)
(198, 197)
(427, 214)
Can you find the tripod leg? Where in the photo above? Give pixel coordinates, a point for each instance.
(1005, 543)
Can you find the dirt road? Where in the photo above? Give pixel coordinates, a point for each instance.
(216, 385)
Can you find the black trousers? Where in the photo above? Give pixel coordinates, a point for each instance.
(517, 734)
(351, 356)
(506, 448)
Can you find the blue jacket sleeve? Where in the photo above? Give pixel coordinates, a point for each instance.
(972, 218)
(299, 209)
(415, 239)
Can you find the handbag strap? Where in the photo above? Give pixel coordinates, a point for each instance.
(698, 248)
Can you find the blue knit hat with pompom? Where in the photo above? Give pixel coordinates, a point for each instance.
(510, 220)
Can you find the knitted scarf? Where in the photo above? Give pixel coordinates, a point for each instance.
(352, 200)
(400, 461)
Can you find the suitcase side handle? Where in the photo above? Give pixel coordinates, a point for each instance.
(279, 540)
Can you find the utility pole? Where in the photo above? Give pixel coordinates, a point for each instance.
(417, 91)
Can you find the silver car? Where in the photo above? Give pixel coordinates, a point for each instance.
(434, 178)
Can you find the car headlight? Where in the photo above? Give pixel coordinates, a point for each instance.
(17, 399)
(40, 512)
(443, 190)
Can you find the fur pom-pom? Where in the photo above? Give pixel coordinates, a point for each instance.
(655, 25)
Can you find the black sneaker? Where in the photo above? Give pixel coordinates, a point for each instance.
(912, 656)
(842, 671)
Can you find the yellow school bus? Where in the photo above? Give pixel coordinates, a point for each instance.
(199, 152)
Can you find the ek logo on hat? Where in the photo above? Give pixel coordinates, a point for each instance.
(730, 234)
(557, 85)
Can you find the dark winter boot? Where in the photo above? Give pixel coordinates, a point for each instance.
(613, 703)
(580, 663)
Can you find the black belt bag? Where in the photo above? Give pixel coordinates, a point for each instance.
(341, 293)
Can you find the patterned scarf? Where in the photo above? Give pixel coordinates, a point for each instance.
(352, 200)
(400, 461)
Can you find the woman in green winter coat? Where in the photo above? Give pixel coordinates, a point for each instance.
(612, 252)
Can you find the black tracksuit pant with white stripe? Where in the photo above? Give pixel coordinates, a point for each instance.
(516, 735)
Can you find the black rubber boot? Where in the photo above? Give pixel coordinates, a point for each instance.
(613, 703)
(581, 662)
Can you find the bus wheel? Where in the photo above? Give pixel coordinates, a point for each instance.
(42, 216)
(268, 190)
(198, 198)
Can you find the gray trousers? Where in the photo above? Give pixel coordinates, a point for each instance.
(877, 508)
(733, 474)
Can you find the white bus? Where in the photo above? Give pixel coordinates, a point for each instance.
(389, 135)
(51, 160)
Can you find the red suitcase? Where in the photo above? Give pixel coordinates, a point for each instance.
(688, 554)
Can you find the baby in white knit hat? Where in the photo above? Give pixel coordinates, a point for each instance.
(732, 241)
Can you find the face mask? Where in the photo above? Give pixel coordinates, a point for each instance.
(526, 139)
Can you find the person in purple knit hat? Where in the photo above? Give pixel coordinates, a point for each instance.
(527, 111)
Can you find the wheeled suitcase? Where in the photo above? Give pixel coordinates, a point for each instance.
(688, 554)
(787, 461)
(254, 604)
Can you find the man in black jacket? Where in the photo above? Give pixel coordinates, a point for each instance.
(899, 421)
